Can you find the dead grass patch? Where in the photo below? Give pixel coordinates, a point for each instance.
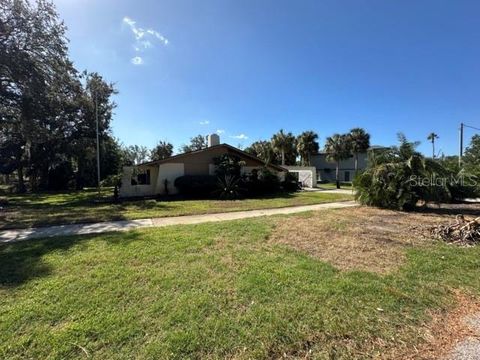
(360, 238)
(446, 329)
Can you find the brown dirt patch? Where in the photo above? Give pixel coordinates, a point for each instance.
(446, 330)
(361, 238)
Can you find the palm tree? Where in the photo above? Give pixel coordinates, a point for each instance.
(307, 145)
(337, 148)
(359, 142)
(391, 179)
(280, 143)
(263, 150)
(432, 137)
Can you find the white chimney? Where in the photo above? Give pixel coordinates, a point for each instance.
(213, 139)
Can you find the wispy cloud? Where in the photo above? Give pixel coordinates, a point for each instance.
(240, 137)
(137, 60)
(144, 39)
(220, 131)
(204, 122)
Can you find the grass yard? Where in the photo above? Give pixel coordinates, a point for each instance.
(332, 185)
(258, 288)
(42, 209)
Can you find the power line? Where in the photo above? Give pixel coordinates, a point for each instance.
(471, 127)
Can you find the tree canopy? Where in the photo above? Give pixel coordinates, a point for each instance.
(198, 142)
(47, 108)
(359, 143)
(285, 144)
(264, 151)
(307, 146)
(161, 151)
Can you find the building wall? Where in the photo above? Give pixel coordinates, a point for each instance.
(200, 163)
(326, 169)
(329, 175)
(129, 190)
(169, 172)
(307, 175)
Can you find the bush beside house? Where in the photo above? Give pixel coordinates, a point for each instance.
(229, 182)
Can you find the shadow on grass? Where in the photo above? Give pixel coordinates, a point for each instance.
(47, 209)
(462, 208)
(24, 261)
(41, 215)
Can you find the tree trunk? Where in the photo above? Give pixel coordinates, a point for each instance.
(21, 182)
(337, 173)
(433, 149)
(33, 180)
(356, 164)
(283, 157)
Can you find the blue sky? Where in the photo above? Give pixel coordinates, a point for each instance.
(251, 67)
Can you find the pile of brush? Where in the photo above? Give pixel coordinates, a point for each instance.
(465, 231)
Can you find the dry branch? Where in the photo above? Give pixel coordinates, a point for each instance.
(464, 231)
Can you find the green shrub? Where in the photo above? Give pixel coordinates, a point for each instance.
(269, 182)
(290, 183)
(229, 188)
(460, 192)
(398, 177)
(228, 165)
(196, 185)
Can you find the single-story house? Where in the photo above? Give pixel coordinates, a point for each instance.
(148, 179)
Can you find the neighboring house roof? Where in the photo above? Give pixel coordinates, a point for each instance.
(233, 149)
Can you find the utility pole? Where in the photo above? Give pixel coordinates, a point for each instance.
(460, 155)
(98, 144)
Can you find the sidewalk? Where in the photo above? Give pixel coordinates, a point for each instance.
(9, 236)
(329, 191)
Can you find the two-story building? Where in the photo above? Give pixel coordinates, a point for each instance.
(326, 169)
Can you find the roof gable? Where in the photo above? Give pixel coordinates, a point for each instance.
(228, 149)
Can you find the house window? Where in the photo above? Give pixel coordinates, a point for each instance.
(142, 177)
(347, 176)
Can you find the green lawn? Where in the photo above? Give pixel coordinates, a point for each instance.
(332, 185)
(214, 291)
(74, 207)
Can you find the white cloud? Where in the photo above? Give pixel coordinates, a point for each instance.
(220, 131)
(144, 38)
(137, 60)
(240, 137)
(204, 122)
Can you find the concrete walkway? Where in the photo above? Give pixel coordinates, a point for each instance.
(329, 191)
(469, 348)
(9, 236)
